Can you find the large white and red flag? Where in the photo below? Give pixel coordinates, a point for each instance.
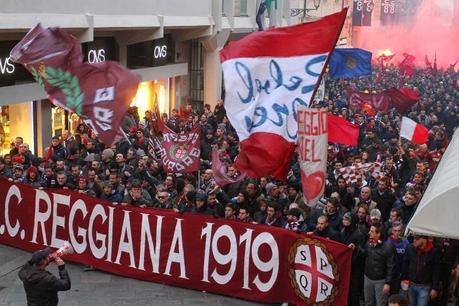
(413, 131)
(267, 76)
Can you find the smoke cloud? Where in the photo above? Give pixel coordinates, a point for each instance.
(432, 32)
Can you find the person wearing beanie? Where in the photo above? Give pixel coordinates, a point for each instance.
(32, 178)
(200, 204)
(107, 157)
(273, 194)
(82, 186)
(269, 187)
(295, 221)
(351, 236)
(41, 286)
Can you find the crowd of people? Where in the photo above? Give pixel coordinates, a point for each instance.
(369, 214)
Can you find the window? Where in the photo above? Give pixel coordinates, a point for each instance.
(196, 74)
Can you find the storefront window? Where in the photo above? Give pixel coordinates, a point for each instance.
(17, 120)
(58, 122)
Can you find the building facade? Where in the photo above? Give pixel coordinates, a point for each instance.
(172, 44)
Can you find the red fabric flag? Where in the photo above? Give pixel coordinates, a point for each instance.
(219, 170)
(357, 100)
(259, 98)
(368, 109)
(342, 132)
(407, 67)
(428, 63)
(100, 93)
(181, 112)
(402, 99)
(181, 152)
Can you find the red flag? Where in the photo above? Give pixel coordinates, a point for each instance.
(368, 109)
(181, 152)
(100, 93)
(259, 98)
(428, 63)
(342, 132)
(407, 67)
(181, 113)
(402, 99)
(357, 100)
(220, 171)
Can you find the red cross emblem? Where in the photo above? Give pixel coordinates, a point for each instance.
(313, 272)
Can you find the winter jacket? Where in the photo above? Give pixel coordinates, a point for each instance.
(385, 202)
(145, 199)
(41, 286)
(328, 233)
(353, 235)
(400, 246)
(422, 267)
(379, 261)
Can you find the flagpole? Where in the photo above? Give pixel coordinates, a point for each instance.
(125, 136)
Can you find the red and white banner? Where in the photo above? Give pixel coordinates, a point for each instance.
(268, 75)
(254, 262)
(357, 100)
(313, 145)
(413, 131)
(181, 152)
(360, 171)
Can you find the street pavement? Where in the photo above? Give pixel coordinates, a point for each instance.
(96, 288)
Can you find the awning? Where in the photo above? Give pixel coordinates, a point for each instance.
(438, 212)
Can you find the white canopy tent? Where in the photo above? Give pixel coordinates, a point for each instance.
(438, 212)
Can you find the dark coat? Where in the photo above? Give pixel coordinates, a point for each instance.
(379, 261)
(328, 233)
(41, 286)
(422, 268)
(385, 202)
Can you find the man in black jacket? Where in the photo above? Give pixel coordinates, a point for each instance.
(351, 236)
(379, 266)
(41, 286)
(421, 270)
(324, 230)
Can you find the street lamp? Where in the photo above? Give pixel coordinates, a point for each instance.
(304, 11)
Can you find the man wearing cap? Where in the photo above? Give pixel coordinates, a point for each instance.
(41, 286)
(273, 194)
(200, 204)
(421, 270)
